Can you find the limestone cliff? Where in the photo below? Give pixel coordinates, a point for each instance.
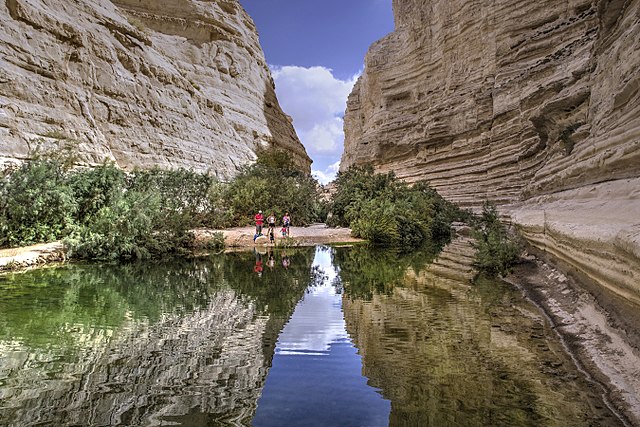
(533, 105)
(143, 83)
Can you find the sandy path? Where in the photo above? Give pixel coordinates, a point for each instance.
(302, 236)
(31, 255)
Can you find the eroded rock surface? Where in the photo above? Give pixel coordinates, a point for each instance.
(143, 83)
(533, 105)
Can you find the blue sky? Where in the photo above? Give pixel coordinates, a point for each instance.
(316, 51)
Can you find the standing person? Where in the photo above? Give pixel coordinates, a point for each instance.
(259, 218)
(286, 222)
(271, 222)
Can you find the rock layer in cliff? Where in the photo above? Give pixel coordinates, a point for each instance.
(501, 100)
(181, 83)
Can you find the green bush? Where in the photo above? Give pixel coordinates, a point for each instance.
(216, 242)
(95, 189)
(134, 226)
(37, 204)
(182, 191)
(103, 213)
(497, 252)
(388, 212)
(273, 184)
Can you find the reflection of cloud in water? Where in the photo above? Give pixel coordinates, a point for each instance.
(317, 321)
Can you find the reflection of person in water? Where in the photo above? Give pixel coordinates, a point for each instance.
(258, 267)
(285, 260)
(271, 262)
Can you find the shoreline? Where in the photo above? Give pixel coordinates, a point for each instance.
(236, 238)
(591, 329)
(31, 256)
(314, 234)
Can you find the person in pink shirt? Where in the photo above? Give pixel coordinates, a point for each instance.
(286, 222)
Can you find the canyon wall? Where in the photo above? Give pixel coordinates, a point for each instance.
(180, 83)
(532, 105)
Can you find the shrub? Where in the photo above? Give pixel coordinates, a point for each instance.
(103, 213)
(37, 204)
(134, 226)
(183, 191)
(497, 252)
(216, 242)
(95, 189)
(273, 184)
(388, 212)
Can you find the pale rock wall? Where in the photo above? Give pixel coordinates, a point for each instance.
(533, 105)
(180, 83)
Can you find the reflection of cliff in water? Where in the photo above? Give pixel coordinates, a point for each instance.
(144, 344)
(448, 352)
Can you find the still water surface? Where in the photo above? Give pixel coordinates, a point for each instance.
(319, 336)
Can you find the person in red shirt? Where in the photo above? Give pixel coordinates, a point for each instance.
(259, 222)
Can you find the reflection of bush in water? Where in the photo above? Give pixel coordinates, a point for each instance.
(39, 304)
(277, 291)
(47, 300)
(365, 270)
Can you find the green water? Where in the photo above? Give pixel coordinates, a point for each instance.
(319, 336)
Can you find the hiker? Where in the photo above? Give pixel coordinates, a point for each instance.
(271, 222)
(286, 222)
(272, 237)
(283, 230)
(259, 221)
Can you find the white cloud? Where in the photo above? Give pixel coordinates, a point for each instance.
(316, 100)
(327, 175)
(325, 137)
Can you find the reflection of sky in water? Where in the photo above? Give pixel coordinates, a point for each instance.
(316, 376)
(317, 321)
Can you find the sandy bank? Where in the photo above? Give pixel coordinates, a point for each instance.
(242, 237)
(30, 256)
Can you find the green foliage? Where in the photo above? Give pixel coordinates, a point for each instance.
(148, 215)
(103, 213)
(36, 204)
(134, 226)
(273, 184)
(100, 212)
(182, 191)
(95, 189)
(365, 271)
(388, 212)
(497, 252)
(287, 242)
